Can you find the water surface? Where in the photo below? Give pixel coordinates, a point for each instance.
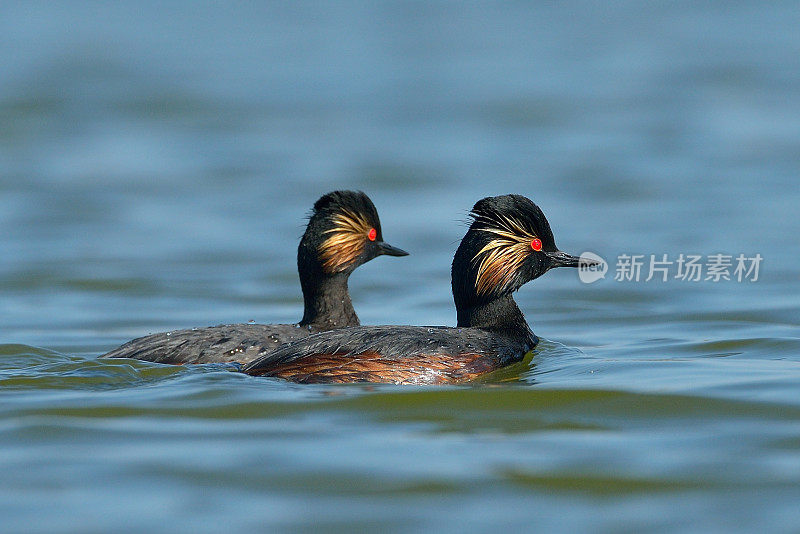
(156, 165)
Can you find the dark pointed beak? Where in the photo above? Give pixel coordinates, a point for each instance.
(389, 250)
(562, 259)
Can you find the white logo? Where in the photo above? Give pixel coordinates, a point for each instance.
(591, 267)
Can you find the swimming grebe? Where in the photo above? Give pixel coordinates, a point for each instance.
(343, 232)
(508, 244)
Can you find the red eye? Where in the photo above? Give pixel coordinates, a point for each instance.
(536, 244)
(372, 234)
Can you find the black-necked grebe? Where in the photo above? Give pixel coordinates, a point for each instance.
(343, 232)
(508, 244)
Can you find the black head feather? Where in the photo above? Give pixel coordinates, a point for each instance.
(340, 202)
(497, 255)
(336, 239)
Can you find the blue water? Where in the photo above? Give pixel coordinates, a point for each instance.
(156, 165)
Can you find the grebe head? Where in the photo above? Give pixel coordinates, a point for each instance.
(508, 244)
(344, 231)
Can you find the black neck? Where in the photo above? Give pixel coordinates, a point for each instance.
(327, 302)
(501, 316)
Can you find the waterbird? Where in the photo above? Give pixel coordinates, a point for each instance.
(509, 243)
(343, 232)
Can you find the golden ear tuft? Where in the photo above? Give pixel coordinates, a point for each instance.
(503, 255)
(346, 242)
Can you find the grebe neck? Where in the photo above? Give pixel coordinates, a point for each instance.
(500, 315)
(327, 303)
